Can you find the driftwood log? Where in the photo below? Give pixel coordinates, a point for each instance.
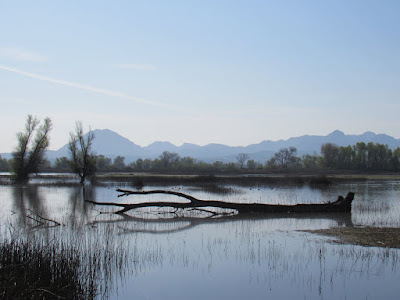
(340, 205)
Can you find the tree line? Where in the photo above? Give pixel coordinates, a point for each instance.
(360, 157)
(29, 157)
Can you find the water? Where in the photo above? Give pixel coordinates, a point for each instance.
(226, 258)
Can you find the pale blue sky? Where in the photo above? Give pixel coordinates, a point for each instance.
(232, 72)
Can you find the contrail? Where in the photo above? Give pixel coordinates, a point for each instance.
(89, 88)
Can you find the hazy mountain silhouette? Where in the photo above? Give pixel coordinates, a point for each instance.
(111, 144)
(108, 143)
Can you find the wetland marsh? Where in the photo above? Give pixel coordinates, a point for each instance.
(158, 255)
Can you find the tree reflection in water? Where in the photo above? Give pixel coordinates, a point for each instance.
(27, 198)
(232, 257)
(78, 205)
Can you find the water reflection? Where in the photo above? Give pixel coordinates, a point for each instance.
(66, 204)
(25, 199)
(231, 257)
(234, 260)
(78, 206)
(305, 221)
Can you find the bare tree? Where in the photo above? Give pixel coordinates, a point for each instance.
(29, 154)
(241, 159)
(83, 160)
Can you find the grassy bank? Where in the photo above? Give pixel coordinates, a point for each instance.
(364, 236)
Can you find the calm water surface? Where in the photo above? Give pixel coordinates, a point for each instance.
(225, 258)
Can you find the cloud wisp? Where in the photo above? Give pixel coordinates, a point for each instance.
(90, 88)
(135, 66)
(21, 54)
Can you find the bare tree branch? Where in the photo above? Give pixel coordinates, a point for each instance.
(38, 218)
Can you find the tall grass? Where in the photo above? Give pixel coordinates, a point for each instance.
(34, 266)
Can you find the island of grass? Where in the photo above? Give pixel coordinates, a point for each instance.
(386, 237)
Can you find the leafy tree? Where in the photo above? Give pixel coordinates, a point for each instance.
(231, 166)
(383, 156)
(119, 162)
(376, 157)
(103, 163)
(310, 161)
(371, 156)
(396, 159)
(83, 160)
(360, 156)
(187, 163)
(218, 165)
(138, 164)
(251, 164)
(4, 165)
(168, 159)
(45, 164)
(32, 145)
(241, 159)
(62, 163)
(147, 164)
(156, 164)
(330, 155)
(345, 158)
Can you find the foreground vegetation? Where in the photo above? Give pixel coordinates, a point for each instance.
(35, 266)
(30, 269)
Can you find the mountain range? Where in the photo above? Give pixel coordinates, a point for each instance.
(111, 144)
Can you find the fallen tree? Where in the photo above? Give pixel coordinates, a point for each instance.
(340, 205)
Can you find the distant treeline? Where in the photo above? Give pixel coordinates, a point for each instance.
(359, 157)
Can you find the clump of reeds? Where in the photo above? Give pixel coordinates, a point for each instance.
(32, 267)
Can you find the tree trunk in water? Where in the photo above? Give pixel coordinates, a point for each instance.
(340, 205)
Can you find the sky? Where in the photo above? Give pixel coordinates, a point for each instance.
(229, 72)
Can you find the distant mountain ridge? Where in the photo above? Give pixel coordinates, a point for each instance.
(108, 143)
(111, 144)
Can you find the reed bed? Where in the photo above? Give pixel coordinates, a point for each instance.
(37, 266)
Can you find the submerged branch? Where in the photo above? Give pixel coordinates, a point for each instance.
(41, 220)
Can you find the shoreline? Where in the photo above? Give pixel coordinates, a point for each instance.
(141, 179)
